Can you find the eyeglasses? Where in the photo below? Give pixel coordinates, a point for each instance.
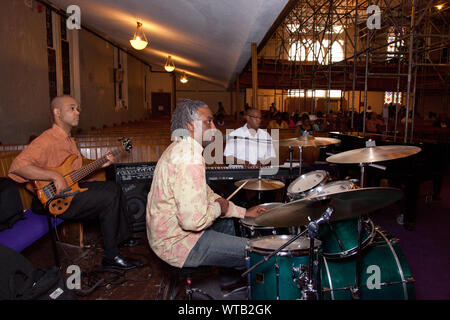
(255, 117)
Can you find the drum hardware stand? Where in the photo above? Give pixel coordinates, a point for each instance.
(291, 151)
(356, 292)
(277, 276)
(310, 293)
(300, 160)
(247, 262)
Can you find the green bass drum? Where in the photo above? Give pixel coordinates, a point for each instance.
(385, 274)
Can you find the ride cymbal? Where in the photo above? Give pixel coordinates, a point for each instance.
(260, 184)
(373, 154)
(347, 204)
(308, 141)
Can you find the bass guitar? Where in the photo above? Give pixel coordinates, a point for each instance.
(59, 203)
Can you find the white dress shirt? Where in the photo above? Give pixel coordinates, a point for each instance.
(252, 148)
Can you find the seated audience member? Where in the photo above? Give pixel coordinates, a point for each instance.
(295, 119)
(381, 125)
(220, 120)
(431, 116)
(403, 120)
(441, 121)
(278, 123)
(220, 109)
(306, 125)
(291, 121)
(371, 123)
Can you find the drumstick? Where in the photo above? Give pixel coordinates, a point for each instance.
(240, 187)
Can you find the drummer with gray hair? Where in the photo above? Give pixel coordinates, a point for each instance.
(187, 223)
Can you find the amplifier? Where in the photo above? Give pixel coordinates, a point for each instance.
(135, 179)
(134, 171)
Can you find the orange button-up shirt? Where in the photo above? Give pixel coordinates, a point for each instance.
(49, 150)
(180, 204)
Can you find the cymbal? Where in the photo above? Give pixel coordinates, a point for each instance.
(347, 204)
(260, 184)
(308, 141)
(374, 154)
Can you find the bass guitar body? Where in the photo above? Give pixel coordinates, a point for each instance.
(59, 203)
(46, 191)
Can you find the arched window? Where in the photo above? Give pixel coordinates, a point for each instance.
(337, 51)
(309, 51)
(394, 43)
(316, 52)
(297, 51)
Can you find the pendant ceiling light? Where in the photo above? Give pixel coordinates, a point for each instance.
(170, 65)
(139, 41)
(184, 78)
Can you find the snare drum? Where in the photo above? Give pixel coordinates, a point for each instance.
(306, 182)
(277, 278)
(249, 229)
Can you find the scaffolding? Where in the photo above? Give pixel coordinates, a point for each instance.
(383, 44)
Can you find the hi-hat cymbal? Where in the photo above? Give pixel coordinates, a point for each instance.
(308, 141)
(374, 154)
(260, 184)
(347, 204)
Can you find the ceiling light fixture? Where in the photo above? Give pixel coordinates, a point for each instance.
(439, 6)
(139, 41)
(170, 65)
(184, 78)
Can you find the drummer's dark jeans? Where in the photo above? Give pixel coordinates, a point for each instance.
(218, 246)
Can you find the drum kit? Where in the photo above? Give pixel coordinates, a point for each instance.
(322, 244)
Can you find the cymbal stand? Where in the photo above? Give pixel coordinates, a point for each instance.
(300, 160)
(356, 293)
(259, 191)
(291, 151)
(309, 293)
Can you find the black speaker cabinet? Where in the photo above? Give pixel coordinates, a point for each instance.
(135, 179)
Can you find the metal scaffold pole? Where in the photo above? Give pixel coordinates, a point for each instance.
(410, 63)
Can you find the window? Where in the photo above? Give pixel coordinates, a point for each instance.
(337, 51)
(393, 43)
(391, 97)
(317, 93)
(307, 51)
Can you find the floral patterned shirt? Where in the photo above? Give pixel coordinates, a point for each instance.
(180, 205)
